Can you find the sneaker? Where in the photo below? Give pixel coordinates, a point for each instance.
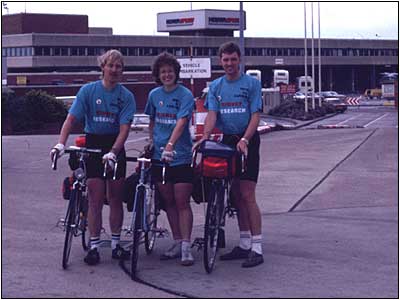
(173, 252)
(187, 258)
(254, 259)
(236, 253)
(93, 257)
(120, 253)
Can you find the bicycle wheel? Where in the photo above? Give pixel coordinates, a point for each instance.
(151, 221)
(215, 208)
(70, 227)
(137, 229)
(83, 223)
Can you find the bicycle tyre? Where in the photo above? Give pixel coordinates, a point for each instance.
(151, 220)
(83, 222)
(69, 229)
(215, 208)
(137, 230)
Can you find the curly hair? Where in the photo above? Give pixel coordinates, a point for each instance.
(229, 48)
(163, 59)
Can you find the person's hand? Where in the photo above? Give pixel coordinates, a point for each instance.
(241, 146)
(56, 150)
(167, 156)
(111, 159)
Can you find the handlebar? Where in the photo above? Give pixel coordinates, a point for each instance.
(149, 160)
(72, 149)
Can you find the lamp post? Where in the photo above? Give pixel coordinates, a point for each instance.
(305, 58)
(241, 37)
(312, 57)
(319, 57)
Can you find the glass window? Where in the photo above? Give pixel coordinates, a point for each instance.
(12, 51)
(3, 52)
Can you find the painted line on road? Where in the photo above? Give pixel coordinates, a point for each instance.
(376, 120)
(136, 140)
(352, 118)
(329, 172)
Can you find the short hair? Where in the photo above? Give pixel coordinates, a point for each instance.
(110, 55)
(229, 47)
(163, 59)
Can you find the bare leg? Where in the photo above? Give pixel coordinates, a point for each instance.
(114, 196)
(241, 207)
(167, 193)
(248, 198)
(182, 193)
(96, 190)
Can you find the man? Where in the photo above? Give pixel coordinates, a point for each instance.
(107, 108)
(233, 104)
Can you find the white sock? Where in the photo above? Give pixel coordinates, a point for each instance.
(94, 242)
(115, 238)
(245, 240)
(186, 246)
(256, 243)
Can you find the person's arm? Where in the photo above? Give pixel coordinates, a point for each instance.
(176, 133)
(66, 129)
(209, 124)
(121, 138)
(251, 129)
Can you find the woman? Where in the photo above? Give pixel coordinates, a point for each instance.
(170, 108)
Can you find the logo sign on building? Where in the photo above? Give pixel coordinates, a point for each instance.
(179, 22)
(195, 68)
(223, 21)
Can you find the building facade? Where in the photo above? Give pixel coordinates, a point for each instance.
(348, 65)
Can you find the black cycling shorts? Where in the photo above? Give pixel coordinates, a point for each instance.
(253, 156)
(176, 174)
(94, 163)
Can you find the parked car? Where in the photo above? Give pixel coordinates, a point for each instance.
(339, 104)
(140, 122)
(332, 94)
(302, 96)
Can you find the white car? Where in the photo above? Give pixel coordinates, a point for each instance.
(140, 122)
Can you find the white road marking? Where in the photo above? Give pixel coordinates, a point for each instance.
(348, 120)
(375, 120)
(136, 140)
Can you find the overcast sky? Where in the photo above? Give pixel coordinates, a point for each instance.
(358, 20)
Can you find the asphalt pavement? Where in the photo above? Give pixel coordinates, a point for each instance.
(329, 203)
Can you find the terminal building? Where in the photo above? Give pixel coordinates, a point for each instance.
(49, 43)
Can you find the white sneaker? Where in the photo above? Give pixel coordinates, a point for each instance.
(173, 252)
(187, 258)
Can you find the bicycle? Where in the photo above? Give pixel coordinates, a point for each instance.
(146, 209)
(216, 166)
(75, 222)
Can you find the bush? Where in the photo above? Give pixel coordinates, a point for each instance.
(294, 109)
(33, 110)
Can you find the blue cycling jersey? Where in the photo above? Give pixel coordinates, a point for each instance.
(103, 111)
(234, 101)
(165, 108)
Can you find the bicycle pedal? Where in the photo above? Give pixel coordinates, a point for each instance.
(60, 223)
(198, 242)
(162, 232)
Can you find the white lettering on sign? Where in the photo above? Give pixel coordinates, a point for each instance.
(195, 68)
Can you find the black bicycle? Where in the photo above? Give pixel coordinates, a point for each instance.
(217, 168)
(146, 209)
(75, 222)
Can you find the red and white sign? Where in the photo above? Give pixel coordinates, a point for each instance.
(353, 100)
